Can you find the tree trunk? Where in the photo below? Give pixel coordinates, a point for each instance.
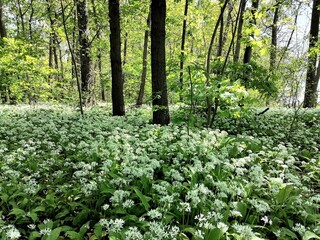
(239, 34)
(3, 32)
(30, 20)
(115, 56)
(274, 38)
(72, 56)
(144, 63)
(214, 36)
(158, 63)
(208, 67)
(221, 43)
(253, 21)
(85, 60)
(99, 56)
(183, 41)
(311, 96)
(228, 22)
(125, 49)
(21, 15)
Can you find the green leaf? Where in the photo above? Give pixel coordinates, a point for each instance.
(74, 235)
(81, 217)
(33, 216)
(242, 208)
(34, 235)
(310, 235)
(39, 209)
(183, 236)
(283, 194)
(55, 233)
(17, 212)
(62, 214)
(189, 230)
(289, 233)
(214, 234)
(4, 197)
(84, 228)
(143, 199)
(98, 231)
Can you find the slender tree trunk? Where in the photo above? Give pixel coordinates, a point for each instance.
(115, 55)
(72, 57)
(30, 20)
(85, 60)
(3, 32)
(99, 56)
(125, 49)
(228, 22)
(253, 21)
(158, 63)
(220, 42)
(144, 62)
(214, 36)
(311, 96)
(74, 45)
(239, 34)
(21, 16)
(55, 54)
(50, 52)
(60, 60)
(183, 41)
(208, 67)
(274, 38)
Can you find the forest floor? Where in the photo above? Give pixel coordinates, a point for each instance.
(103, 177)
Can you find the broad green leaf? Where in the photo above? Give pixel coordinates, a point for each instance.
(189, 230)
(74, 235)
(98, 230)
(17, 212)
(143, 199)
(81, 217)
(33, 216)
(34, 235)
(310, 235)
(84, 228)
(289, 233)
(55, 233)
(283, 194)
(214, 234)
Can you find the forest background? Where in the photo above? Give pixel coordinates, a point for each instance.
(218, 54)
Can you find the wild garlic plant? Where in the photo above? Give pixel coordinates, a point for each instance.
(103, 177)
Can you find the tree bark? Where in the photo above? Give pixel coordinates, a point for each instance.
(274, 38)
(208, 67)
(72, 57)
(239, 34)
(118, 107)
(158, 63)
(99, 56)
(183, 41)
(85, 60)
(144, 62)
(253, 21)
(311, 96)
(124, 61)
(214, 36)
(228, 22)
(21, 15)
(30, 20)
(3, 32)
(221, 43)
